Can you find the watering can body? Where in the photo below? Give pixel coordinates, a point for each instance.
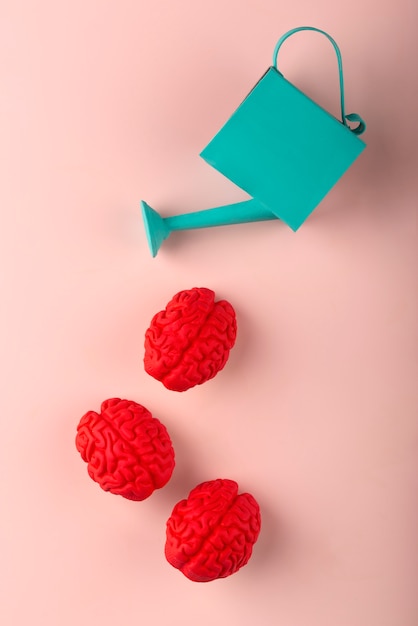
(283, 149)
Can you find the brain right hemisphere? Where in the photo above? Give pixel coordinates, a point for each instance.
(211, 534)
(189, 341)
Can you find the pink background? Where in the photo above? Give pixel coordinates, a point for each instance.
(103, 103)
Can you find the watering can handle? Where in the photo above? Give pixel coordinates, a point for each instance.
(351, 117)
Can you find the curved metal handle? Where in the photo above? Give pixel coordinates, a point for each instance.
(352, 117)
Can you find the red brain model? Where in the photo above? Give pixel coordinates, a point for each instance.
(211, 534)
(128, 451)
(189, 342)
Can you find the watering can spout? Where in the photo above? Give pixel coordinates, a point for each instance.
(158, 228)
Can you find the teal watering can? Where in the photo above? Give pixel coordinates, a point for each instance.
(281, 148)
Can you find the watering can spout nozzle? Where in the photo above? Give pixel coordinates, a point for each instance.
(155, 228)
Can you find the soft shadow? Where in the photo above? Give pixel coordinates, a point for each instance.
(272, 540)
(185, 476)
